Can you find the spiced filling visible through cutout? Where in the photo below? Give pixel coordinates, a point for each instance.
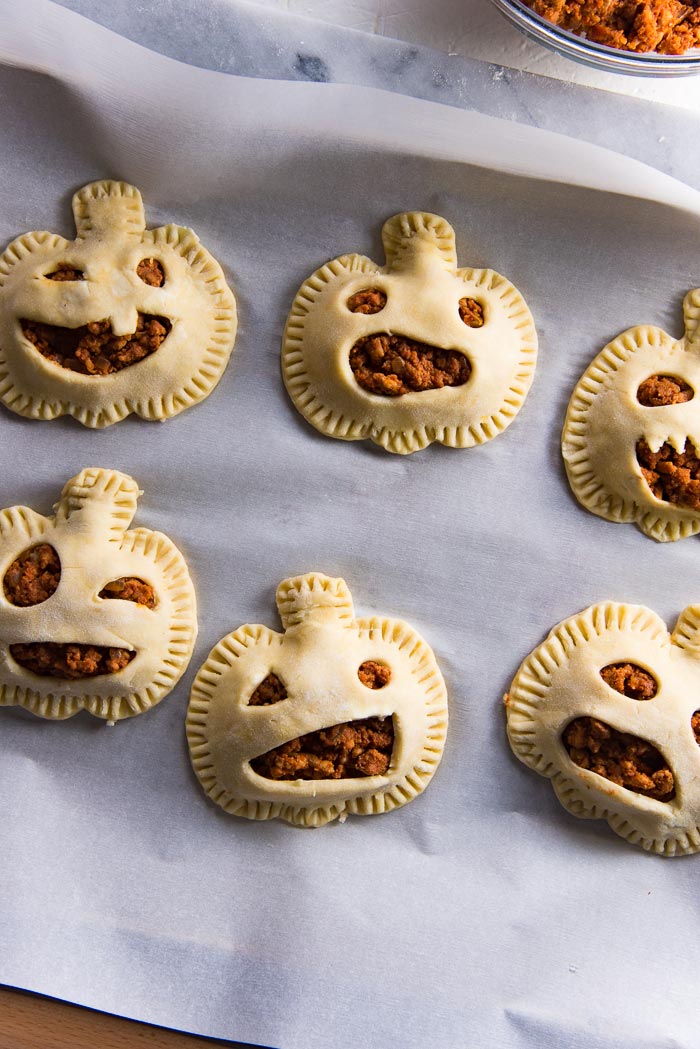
(659, 390)
(129, 588)
(270, 690)
(374, 675)
(672, 476)
(33, 577)
(369, 300)
(70, 661)
(630, 680)
(346, 751)
(65, 272)
(93, 349)
(624, 759)
(392, 365)
(471, 312)
(151, 272)
(695, 725)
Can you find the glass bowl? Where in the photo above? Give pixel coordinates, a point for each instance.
(597, 55)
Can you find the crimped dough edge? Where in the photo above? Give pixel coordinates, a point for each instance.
(528, 694)
(214, 354)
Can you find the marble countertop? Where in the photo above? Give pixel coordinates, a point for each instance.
(262, 40)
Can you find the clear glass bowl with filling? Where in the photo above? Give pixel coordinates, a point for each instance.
(600, 56)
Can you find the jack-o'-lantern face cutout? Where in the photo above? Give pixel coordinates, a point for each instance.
(631, 441)
(608, 707)
(412, 352)
(92, 616)
(334, 716)
(122, 319)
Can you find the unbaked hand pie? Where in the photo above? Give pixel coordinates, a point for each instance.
(608, 707)
(411, 352)
(631, 441)
(93, 616)
(122, 319)
(334, 716)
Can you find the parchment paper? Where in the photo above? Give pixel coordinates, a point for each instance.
(481, 914)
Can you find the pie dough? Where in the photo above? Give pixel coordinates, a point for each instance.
(423, 289)
(88, 535)
(317, 660)
(561, 681)
(111, 245)
(605, 421)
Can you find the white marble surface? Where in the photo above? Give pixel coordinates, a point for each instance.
(251, 39)
(472, 29)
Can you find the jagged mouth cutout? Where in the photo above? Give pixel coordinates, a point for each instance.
(93, 349)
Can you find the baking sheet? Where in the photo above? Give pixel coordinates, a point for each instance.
(481, 910)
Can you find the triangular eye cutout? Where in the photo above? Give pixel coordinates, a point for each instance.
(270, 690)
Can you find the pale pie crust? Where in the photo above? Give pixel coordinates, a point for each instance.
(111, 242)
(89, 533)
(423, 288)
(605, 420)
(560, 681)
(317, 659)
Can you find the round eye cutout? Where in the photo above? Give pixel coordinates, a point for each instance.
(471, 312)
(373, 674)
(660, 390)
(151, 272)
(630, 680)
(369, 300)
(129, 588)
(33, 576)
(65, 272)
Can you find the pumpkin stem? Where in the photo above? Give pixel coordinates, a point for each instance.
(103, 498)
(407, 236)
(108, 208)
(691, 314)
(686, 633)
(313, 596)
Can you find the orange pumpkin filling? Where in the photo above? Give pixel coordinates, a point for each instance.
(659, 390)
(270, 690)
(151, 272)
(93, 349)
(346, 751)
(70, 661)
(66, 272)
(669, 27)
(672, 476)
(392, 365)
(624, 759)
(695, 725)
(630, 680)
(373, 674)
(471, 312)
(32, 577)
(369, 300)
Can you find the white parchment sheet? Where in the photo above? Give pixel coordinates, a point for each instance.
(481, 914)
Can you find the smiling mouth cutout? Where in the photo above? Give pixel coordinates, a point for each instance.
(672, 476)
(93, 349)
(70, 661)
(392, 365)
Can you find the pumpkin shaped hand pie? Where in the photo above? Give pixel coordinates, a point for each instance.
(122, 319)
(334, 716)
(92, 616)
(631, 441)
(607, 707)
(411, 352)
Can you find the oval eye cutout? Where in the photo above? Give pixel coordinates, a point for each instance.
(369, 300)
(270, 690)
(65, 272)
(128, 588)
(630, 680)
(33, 577)
(151, 272)
(658, 390)
(626, 760)
(373, 674)
(471, 312)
